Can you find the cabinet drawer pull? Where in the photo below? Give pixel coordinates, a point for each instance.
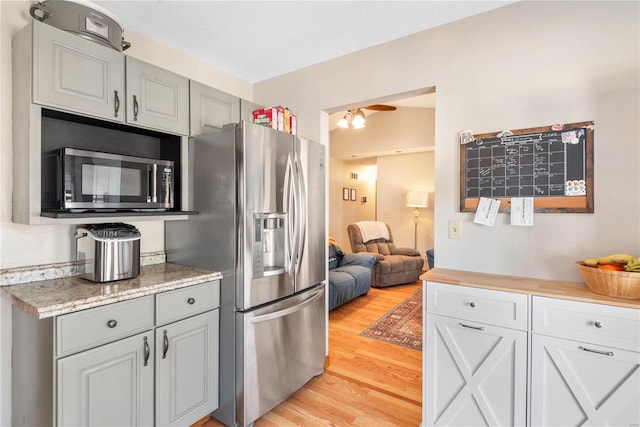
(590, 350)
(472, 304)
(598, 324)
(112, 323)
(147, 351)
(191, 301)
(116, 103)
(477, 328)
(165, 345)
(135, 108)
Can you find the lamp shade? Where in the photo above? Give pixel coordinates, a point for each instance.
(417, 199)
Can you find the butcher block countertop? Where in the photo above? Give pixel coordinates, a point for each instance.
(47, 298)
(524, 285)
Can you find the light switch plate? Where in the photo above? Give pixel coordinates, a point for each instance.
(455, 232)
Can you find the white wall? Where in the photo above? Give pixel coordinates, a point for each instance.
(396, 176)
(345, 212)
(524, 65)
(22, 245)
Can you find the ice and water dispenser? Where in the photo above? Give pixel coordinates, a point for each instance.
(269, 239)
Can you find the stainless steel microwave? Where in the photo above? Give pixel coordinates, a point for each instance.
(91, 180)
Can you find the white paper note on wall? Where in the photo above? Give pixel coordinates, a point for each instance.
(522, 211)
(487, 211)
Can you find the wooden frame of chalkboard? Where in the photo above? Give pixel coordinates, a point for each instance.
(552, 164)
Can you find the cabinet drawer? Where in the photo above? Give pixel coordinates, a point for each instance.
(96, 326)
(593, 323)
(481, 305)
(185, 302)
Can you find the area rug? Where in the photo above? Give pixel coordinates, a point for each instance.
(402, 325)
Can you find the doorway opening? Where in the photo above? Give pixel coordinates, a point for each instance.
(392, 155)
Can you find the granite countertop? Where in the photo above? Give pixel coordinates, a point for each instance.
(53, 297)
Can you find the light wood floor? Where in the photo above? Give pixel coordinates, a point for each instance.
(367, 383)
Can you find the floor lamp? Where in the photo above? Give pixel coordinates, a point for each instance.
(416, 200)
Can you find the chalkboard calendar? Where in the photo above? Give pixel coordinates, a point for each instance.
(553, 164)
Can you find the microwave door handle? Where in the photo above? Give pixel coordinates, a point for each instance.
(152, 196)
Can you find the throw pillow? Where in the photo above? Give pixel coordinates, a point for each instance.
(335, 256)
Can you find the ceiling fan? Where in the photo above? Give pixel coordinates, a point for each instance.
(356, 118)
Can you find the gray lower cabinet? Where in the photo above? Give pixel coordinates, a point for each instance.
(187, 370)
(211, 108)
(147, 361)
(109, 385)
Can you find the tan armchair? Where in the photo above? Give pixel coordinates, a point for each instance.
(394, 266)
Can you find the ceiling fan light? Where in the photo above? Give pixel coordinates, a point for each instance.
(358, 119)
(343, 122)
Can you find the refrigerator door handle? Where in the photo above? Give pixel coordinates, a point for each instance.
(301, 210)
(285, 312)
(287, 205)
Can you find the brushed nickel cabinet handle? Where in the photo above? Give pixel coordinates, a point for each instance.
(116, 103)
(112, 323)
(591, 350)
(472, 304)
(598, 324)
(191, 301)
(135, 108)
(477, 328)
(165, 346)
(147, 351)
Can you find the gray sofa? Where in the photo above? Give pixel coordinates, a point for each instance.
(394, 266)
(349, 276)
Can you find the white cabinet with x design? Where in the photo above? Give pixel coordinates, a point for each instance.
(501, 350)
(476, 356)
(585, 364)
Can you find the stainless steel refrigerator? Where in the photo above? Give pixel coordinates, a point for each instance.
(259, 194)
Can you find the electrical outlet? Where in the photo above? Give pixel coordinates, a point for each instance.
(455, 232)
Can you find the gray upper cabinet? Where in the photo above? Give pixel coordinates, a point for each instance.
(211, 108)
(246, 110)
(157, 98)
(75, 74)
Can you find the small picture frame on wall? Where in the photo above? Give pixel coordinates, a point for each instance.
(345, 194)
(353, 194)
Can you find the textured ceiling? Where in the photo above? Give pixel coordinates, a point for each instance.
(257, 40)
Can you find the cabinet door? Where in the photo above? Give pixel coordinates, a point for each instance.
(157, 98)
(211, 108)
(475, 374)
(111, 385)
(575, 383)
(187, 370)
(75, 74)
(246, 110)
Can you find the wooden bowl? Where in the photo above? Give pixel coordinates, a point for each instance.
(620, 284)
